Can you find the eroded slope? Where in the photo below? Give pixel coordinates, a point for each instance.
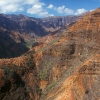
(63, 68)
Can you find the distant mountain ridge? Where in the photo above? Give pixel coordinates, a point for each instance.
(36, 26)
(18, 29)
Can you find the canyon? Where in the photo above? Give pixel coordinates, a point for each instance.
(62, 65)
(19, 32)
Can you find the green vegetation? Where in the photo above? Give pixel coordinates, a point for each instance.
(39, 91)
(9, 73)
(43, 73)
(30, 62)
(30, 43)
(52, 85)
(49, 45)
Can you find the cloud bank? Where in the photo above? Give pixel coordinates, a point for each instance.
(67, 11)
(36, 7)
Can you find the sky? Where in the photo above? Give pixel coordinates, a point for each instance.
(45, 8)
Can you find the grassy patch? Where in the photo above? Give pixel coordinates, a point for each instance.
(43, 73)
(30, 43)
(48, 45)
(52, 85)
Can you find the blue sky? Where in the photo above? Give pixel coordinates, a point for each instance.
(45, 8)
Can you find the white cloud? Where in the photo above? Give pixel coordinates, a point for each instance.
(7, 2)
(69, 11)
(31, 1)
(7, 6)
(45, 14)
(91, 10)
(50, 6)
(64, 10)
(80, 11)
(60, 9)
(20, 2)
(11, 8)
(38, 10)
(33, 7)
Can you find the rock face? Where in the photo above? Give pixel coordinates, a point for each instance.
(54, 24)
(69, 65)
(81, 63)
(65, 67)
(17, 31)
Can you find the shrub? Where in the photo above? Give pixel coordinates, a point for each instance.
(9, 73)
(30, 62)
